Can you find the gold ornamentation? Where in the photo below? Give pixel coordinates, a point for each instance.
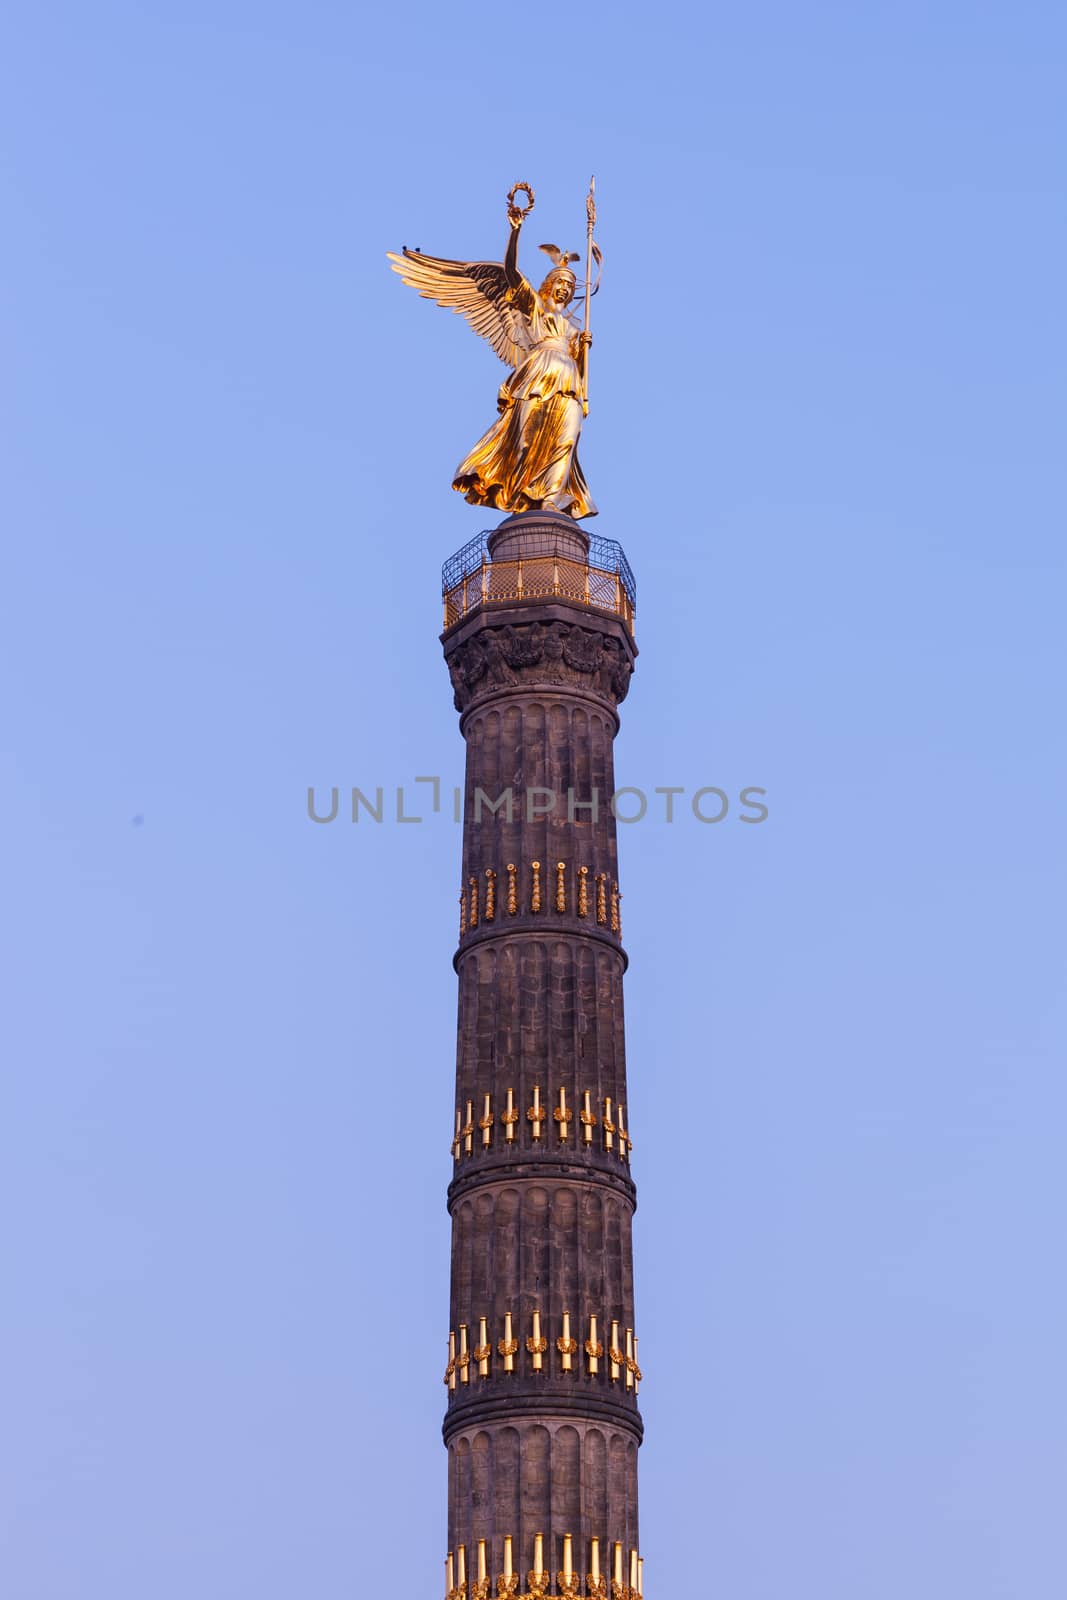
(508, 1581)
(619, 1591)
(562, 1116)
(583, 891)
(538, 1582)
(458, 1134)
(593, 1349)
(468, 1130)
(463, 913)
(616, 920)
(588, 1117)
(601, 899)
(513, 890)
(618, 1588)
(615, 1355)
(535, 893)
(567, 1580)
(561, 887)
(536, 1343)
(508, 1346)
(486, 1120)
(490, 895)
(520, 211)
(609, 1127)
(539, 1574)
(528, 459)
(450, 1372)
(596, 1587)
(632, 1366)
(480, 1590)
(535, 1114)
(510, 1117)
(482, 1351)
(473, 886)
(566, 1346)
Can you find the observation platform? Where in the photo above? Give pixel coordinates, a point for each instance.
(538, 556)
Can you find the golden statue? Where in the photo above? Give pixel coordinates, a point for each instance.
(528, 460)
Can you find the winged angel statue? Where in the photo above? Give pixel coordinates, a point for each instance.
(528, 460)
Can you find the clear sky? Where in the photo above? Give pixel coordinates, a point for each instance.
(827, 399)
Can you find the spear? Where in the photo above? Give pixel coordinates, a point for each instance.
(590, 215)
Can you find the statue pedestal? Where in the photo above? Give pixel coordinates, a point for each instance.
(538, 533)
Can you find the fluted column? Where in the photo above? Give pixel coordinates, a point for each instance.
(542, 1422)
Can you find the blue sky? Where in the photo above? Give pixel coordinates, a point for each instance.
(827, 396)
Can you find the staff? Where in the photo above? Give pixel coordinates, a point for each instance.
(587, 337)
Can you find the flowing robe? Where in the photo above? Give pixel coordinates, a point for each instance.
(528, 460)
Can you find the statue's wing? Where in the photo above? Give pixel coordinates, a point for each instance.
(477, 290)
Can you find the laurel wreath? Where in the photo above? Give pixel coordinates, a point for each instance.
(520, 211)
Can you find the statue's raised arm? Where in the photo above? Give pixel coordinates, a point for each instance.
(528, 460)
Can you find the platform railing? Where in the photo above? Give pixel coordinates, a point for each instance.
(538, 577)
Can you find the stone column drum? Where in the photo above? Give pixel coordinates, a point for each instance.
(542, 1198)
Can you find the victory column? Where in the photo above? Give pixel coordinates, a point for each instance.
(542, 1423)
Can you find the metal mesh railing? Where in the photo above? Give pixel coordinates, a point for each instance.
(469, 579)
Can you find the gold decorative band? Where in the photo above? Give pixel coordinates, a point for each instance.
(622, 1357)
(616, 1135)
(627, 1578)
(607, 900)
